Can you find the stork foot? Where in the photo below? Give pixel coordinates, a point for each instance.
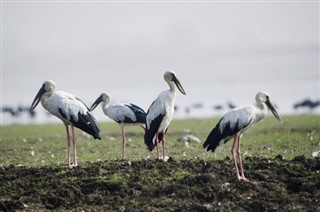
(165, 158)
(244, 179)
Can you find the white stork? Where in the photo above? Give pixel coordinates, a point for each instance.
(123, 114)
(160, 113)
(235, 122)
(71, 110)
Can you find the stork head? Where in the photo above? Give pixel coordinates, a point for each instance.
(47, 87)
(263, 97)
(170, 76)
(102, 98)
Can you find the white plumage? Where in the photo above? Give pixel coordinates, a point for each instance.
(71, 110)
(60, 102)
(123, 114)
(160, 113)
(120, 112)
(235, 122)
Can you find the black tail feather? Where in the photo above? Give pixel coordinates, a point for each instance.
(152, 131)
(87, 123)
(139, 112)
(213, 140)
(148, 139)
(216, 136)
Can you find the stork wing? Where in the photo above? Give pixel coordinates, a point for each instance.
(154, 118)
(139, 113)
(233, 122)
(74, 111)
(87, 123)
(126, 113)
(82, 102)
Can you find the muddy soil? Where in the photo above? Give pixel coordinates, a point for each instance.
(189, 185)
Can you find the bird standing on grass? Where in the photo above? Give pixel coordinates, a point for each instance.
(70, 110)
(235, 122)
(160, 113)
(123, 114)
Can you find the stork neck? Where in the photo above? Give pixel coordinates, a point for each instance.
(263, 110)
(172, 86)
(105, 106)
(46, 95)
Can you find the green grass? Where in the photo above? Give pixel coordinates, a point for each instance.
(38, 145)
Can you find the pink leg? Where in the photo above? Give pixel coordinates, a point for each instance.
(156, 141)
(234, 158)
(123, 142)
(242, 177)
(68, 139)
(163, 150)
(75, 160)
(148, 152)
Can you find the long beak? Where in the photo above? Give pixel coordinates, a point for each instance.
(179, 86)
(273, 109)
(37, 98)
(96, 103)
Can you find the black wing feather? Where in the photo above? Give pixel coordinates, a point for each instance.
(214, 138)
(151, 132)
(87, 123)
(139, 113)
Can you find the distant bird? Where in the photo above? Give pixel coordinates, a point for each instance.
(160, 113)
(22, 109)
(10, 110)
(235, 122)
(123, 114)
(71, 110)
(231, 105)
(310, 103)
(197, 105)
(217, 107)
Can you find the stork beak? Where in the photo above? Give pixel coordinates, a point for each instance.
(37, 98)
(178, 84)
(273, 109)
(96, 103)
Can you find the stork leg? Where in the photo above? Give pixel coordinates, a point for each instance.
(74, 139)
(234, 158)
(163, 149)
(68, 140)
(123, 141)
(242, 177)
(157, 146)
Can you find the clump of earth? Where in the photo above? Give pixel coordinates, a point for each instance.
(154, 185)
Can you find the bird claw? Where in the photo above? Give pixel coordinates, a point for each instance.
(165, 159)
(244, 179)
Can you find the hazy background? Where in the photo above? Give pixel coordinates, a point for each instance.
(220, 52)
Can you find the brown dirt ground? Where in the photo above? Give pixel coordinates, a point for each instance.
(187, 185)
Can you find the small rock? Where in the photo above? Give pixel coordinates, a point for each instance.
(189, 138)
(315, 153)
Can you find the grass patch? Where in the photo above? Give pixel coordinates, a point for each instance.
(112, 179)
(45, 145)
(179, 175)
